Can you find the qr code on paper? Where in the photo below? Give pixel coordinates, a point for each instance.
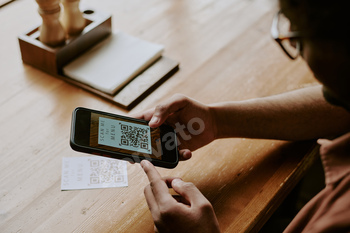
(106, 171)
(93, 172)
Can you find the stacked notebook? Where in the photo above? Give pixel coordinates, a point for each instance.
(114, 62)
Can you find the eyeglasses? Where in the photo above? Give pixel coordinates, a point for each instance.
(287, 39)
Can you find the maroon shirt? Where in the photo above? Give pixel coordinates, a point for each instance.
(329, 211)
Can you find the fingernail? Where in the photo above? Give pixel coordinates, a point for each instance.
(143, 163)
(187, 154)
(176, 181)
(321, 141)
(154, 120)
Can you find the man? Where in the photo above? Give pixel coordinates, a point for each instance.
(316, 32)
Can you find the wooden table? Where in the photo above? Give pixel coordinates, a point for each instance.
(225, 53)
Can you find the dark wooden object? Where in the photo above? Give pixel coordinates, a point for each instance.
(52, 60)
(141, 86)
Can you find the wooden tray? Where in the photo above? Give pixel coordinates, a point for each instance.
(141, 86)
(99, 26)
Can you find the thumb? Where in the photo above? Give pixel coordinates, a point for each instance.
(188, 191)
(162, 111)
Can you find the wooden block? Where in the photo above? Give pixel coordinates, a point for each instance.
(139, 87)
(52, 60)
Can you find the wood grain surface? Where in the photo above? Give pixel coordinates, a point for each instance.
(225, 53)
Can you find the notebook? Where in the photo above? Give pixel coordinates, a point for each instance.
(114, 62)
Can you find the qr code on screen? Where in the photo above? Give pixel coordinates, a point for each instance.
(134, 136)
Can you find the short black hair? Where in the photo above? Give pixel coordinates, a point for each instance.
(328, 18)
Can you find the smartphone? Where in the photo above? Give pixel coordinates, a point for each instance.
(122, 137)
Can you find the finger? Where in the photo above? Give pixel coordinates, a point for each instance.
(324, 142)
(145, 115)
(151, 201)
(168, 180)
(188, 191)
(339, 145)
(185, 154)
(165, 109)
(158, 186)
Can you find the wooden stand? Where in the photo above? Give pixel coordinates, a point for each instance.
(99, 26)
(53, 59)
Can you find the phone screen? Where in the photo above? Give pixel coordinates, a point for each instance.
(124, 136)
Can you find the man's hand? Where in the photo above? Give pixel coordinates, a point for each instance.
(337, 147)
(192, 212)
(192, 121)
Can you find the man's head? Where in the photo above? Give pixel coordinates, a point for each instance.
(324, 26)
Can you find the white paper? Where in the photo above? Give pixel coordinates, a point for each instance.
(93, 172)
